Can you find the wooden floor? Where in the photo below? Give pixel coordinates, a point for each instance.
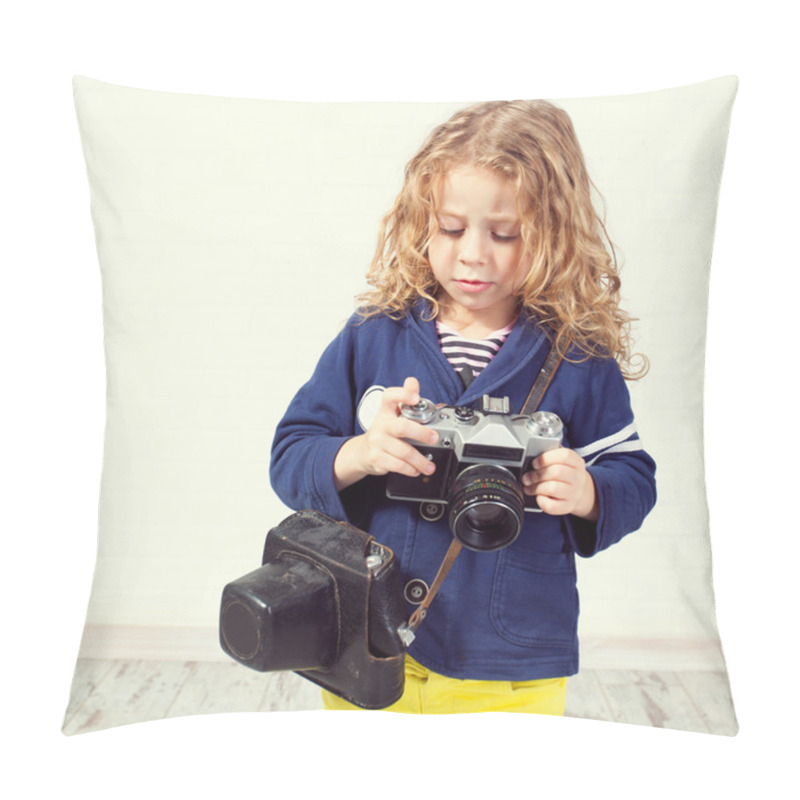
(106, 694)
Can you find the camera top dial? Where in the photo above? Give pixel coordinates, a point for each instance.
(545, 424)
(423, 412)
(465, 415)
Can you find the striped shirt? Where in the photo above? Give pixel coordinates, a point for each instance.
(469, 356)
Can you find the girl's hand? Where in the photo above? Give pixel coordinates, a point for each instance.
(381, 449)
(562, 485)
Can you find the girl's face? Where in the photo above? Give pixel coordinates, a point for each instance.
(475, 255)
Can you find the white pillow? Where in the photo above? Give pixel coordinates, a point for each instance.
(233, 236)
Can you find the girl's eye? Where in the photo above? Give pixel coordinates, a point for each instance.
(498, 237)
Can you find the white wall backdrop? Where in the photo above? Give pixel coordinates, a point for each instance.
(233, 236)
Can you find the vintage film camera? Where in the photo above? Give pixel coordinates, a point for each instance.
(327, 603)
(480, 458)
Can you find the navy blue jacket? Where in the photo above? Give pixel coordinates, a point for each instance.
(511, 614)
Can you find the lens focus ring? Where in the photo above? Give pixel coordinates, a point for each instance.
(486, 507)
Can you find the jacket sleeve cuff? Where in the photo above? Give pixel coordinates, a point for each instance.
(320, 483)
(586, 537)
(622, 511)
(351, 504)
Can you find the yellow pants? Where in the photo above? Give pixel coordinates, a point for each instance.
(427, 692)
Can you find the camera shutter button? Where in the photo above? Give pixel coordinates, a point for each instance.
(415, 591)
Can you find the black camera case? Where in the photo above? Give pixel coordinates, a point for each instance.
(326, 603)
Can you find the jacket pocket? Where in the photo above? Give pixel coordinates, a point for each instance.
(534, 599)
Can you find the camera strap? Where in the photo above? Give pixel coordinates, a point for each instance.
(407, 631)
(543, 380)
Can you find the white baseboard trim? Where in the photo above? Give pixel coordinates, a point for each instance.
(652, 654)
(153, 643)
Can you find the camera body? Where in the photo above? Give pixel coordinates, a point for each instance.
(326, 603)
(480, 458)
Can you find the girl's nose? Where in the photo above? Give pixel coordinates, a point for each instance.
(473, 247)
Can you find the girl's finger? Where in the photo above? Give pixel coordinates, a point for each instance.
(408, 429)
(552, 506)
(553, 489)
(556, 472)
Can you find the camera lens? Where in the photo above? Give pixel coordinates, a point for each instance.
(240, 630)
(486, 507)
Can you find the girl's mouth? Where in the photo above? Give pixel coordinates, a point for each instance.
(473, 286)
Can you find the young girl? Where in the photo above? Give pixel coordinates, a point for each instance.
(492, 252)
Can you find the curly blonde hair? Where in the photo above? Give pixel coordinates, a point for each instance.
(572, 284)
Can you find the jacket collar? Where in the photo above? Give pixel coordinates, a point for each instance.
(526, 346)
